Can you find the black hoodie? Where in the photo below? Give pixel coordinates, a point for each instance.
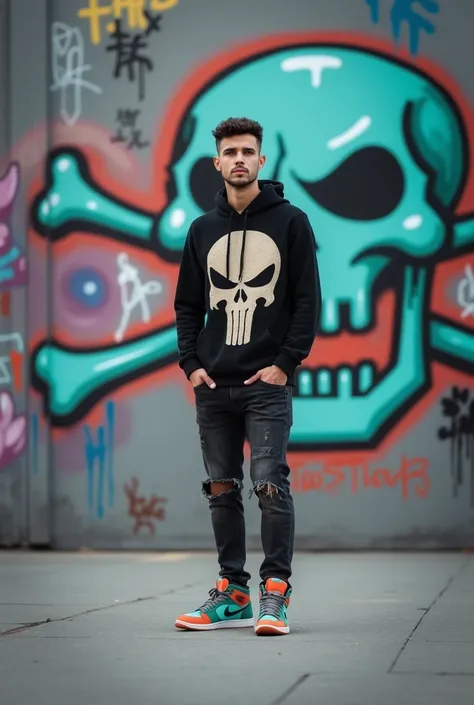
(258, 288)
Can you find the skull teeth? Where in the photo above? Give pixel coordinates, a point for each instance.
(337, 315)
(343, 382)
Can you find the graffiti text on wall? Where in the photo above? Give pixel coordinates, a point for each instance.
(127, 131)
(459, 412)
(145, 511)
(409, 13)
(134, 298)
(131, 53)
(99, 457)
(69, 68)
(411, 477)
(131, 12)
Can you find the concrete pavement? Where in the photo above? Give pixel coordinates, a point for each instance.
(396, 629)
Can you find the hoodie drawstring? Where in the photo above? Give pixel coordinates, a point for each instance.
(242, 251)
(241, 269)
(227, 263)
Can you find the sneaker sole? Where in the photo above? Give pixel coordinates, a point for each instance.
(266, 630)
(230, 624)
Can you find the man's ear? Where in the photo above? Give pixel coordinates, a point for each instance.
(217, 163)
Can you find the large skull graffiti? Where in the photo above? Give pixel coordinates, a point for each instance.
(374, 152)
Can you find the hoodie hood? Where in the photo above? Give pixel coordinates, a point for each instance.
(271, 195)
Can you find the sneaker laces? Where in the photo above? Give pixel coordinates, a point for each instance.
(215, 597)
(271, 604)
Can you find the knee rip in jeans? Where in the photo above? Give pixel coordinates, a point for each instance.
(264, 487)
(206, 487)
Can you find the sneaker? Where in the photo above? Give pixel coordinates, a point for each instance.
(274, 600)
(228, 607)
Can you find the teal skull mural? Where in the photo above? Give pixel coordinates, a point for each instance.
(376, 153)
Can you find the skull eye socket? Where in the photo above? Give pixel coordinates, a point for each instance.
(184, 137)
(264, 278)
(368, 185)
(204, 182)
(219, 281)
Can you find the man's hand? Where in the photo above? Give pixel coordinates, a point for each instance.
(271, 375)
(199, 377)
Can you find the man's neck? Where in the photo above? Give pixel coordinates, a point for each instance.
(239, 198)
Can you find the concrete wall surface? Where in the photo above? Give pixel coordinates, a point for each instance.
(107, 109)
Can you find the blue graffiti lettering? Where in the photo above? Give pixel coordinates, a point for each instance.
(100, 455)
(403, 12)
(374, 10)
(110, 412)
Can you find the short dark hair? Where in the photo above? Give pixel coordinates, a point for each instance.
(237, 126)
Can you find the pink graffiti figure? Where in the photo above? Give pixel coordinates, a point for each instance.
(12, 262)
(12, 431)
(144, 511)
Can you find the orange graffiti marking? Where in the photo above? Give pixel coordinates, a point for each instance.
(5, 304)
(144, 511)
(16, 362)
(329, 478)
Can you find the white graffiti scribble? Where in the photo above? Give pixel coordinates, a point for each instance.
(466, 293)
(316, 65)
(137, 296)
(68, 68)
(5, 361)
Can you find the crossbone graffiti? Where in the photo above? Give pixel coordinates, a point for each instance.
(381, 189)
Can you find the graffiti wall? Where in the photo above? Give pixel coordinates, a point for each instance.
(13, 334)
(367, 108)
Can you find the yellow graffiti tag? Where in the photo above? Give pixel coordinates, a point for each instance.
(131, 11)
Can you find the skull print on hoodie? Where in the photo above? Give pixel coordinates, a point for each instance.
(248, 293)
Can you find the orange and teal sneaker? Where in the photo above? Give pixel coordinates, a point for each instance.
(274, 601)
(228, 607)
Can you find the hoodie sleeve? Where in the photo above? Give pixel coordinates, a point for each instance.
(189, 306)
(305, 291)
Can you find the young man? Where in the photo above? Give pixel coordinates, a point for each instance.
(250, 266)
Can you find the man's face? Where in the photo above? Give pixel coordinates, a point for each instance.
(239, 160)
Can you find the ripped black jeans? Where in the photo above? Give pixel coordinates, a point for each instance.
(262, 414)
